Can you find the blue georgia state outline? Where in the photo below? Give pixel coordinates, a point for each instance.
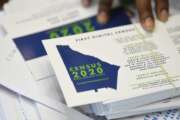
(72, 57)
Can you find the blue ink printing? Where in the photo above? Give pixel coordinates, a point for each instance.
(88, 72)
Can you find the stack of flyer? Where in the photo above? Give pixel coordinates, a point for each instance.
(112, 70)
(120, 71)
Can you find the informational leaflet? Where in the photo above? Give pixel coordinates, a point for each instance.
(50, 23)
(90, 70)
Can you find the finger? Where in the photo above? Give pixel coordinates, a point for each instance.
(86, 3)
(104, 11)
(145, 14)
(162, 9)
(2, 2)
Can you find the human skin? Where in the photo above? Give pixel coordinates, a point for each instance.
(144, 9)
(2, 2)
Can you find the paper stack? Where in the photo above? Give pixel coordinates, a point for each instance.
(29, 87)
(80, 63)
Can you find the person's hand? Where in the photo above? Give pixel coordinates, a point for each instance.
(2, 2)
(144, 9)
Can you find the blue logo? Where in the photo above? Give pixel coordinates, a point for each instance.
(88, 72)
